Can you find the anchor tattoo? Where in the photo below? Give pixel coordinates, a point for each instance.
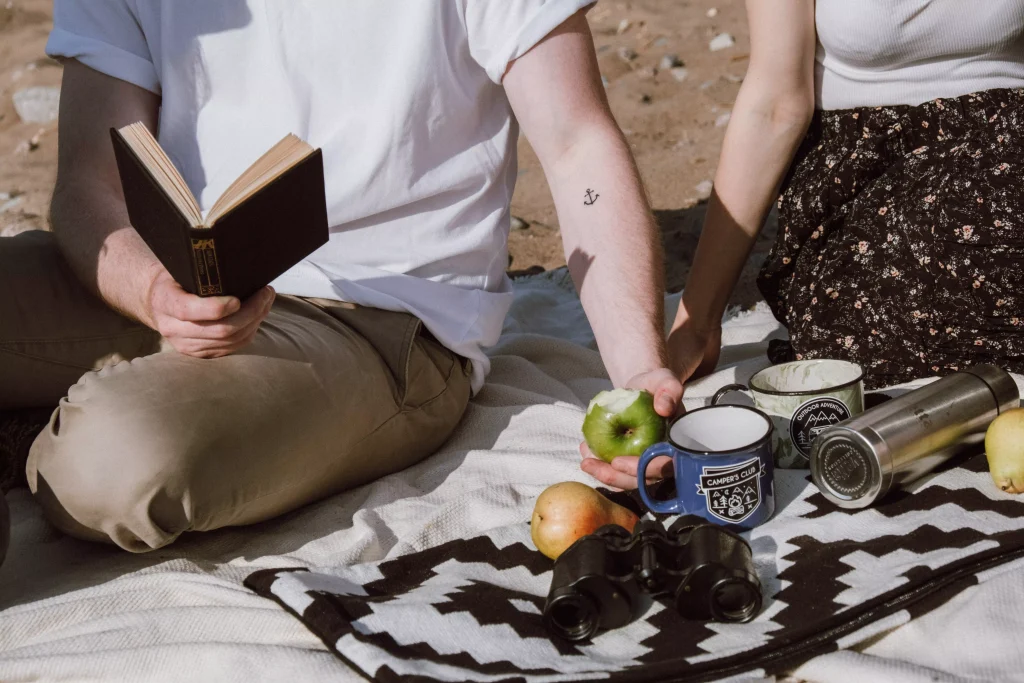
(591, 198)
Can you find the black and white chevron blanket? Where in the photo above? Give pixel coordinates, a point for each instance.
(470, 610)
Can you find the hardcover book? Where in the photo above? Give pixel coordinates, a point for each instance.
(269, 219)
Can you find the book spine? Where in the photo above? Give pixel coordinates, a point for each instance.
(207, 269)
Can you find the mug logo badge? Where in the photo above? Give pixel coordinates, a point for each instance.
(733, 492)
(812, 418)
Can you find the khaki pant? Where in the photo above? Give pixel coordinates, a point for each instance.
(148, 443)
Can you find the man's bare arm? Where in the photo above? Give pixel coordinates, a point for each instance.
(610, 238)
(90, 222)
(611, 241)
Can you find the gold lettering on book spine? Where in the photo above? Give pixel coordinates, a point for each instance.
(204, 253)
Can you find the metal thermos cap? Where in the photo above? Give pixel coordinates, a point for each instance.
(847, 469)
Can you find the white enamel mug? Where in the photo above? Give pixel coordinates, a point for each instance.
(803, 398)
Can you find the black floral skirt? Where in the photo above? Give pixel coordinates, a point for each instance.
(901, 238)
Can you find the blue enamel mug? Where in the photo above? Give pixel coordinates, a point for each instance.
(724, 468)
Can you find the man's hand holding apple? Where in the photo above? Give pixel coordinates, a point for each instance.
(620, 473)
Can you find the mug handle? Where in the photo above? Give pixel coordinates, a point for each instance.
(662, 506)
(728, 389)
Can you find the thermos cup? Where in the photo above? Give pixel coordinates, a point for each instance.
(858, 461)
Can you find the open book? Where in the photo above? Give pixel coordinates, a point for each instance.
(269, 219)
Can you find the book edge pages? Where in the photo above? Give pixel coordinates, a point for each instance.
(284, 155)
(153, 157)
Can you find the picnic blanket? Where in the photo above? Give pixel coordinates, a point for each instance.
(70, 610)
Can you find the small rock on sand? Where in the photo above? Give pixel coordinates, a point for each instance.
(519, 224)
(670, 62)
(646, 73)
(679, 73)
(704, 188)
(712, 13)
(627, 54)
(17, 229)
(8, 203)
(38, 104)
(723, 120)
(722, 41)
(624, 26)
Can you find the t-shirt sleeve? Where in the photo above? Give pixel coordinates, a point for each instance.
(501, 31)
(105, 35)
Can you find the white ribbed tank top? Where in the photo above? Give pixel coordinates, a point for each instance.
(881, 52)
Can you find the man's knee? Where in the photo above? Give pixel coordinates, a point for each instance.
(109, 468)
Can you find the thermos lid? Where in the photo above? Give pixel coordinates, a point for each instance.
(1003, 388)
(846, 468)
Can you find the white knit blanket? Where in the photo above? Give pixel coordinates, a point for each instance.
(71, 610)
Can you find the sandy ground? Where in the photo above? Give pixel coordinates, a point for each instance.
(674, 126)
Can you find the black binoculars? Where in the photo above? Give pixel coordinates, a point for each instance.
(599, 580)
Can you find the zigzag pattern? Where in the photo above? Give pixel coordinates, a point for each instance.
(470, 610)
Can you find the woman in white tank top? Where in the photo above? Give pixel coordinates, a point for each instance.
(895, 129)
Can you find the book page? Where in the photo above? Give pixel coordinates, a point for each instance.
(156, 161)
(278, 159)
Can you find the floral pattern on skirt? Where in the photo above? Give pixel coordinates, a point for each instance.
(901, 238)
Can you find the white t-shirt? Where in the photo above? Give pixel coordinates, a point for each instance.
(885, 52)
(404, 98)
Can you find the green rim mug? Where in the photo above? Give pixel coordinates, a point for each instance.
(803, 398)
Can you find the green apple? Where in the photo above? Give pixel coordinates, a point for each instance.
(622, 422)
(1004, 446)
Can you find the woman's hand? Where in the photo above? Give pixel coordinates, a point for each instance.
(694, 351)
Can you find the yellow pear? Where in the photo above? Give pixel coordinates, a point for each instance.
(570, 510)
(1004, 446)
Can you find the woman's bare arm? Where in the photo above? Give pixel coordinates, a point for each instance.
(771, 115)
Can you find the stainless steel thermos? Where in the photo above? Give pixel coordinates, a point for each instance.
(856, 462)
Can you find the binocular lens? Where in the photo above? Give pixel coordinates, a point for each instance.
(735, 600)
(573, 617)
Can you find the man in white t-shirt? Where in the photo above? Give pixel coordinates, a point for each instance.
(194, 413)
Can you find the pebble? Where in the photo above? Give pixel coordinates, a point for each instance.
(733, 78)
(723, 120)
(627, 54)
(670, 62)
(707, 84)
(519, 224)
(712, 13)
(624, 26)
(704, 188)
(661, 42)
(679, 73)
(38, 104)
(604, 81)
(646, 73)
(17, 229)
(10, 203)
(722, 41)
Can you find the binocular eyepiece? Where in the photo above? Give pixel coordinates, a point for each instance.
(599, 581)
